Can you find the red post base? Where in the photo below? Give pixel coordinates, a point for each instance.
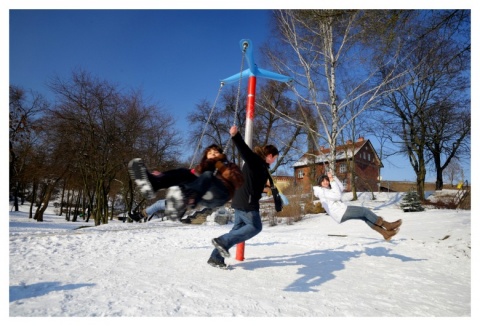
(240, 251)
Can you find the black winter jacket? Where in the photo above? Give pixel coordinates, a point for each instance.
(255, 172)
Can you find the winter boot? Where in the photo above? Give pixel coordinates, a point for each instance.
(138, 173)
(138, 216)
(175, 203)
(186, 220)
(223, 251)
(212, 261)
(389, 226)
(387, 235)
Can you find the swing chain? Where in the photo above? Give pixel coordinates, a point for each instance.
(206, 125)
(244, 51)
(245, 45)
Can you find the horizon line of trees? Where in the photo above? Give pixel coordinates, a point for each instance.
(402, 76)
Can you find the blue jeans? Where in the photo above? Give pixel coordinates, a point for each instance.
(359, 213)
(247, 224)
(155, 207)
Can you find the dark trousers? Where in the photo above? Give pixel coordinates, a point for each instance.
(171, 178)
(208, 182)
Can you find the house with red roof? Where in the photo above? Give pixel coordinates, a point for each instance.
(354, 162)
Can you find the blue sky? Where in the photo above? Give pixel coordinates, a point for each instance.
(176, 57)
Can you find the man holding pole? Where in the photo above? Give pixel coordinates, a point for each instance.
(246, 200)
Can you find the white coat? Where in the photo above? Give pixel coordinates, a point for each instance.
(331, 199)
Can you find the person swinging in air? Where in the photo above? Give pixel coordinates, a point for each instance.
(211, 183)
(330, 191)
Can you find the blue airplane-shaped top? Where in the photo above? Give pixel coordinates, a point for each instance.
(253, 70)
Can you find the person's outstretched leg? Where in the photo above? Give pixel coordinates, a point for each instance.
(375, 222)
(247, 225)
(387, 235)
(149, 183)
(170, 178)
(389, 226)
(157, 206)
(138, 173)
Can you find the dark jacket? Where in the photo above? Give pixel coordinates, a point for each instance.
(255, 173)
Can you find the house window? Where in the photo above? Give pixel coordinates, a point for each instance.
(369, 158)
(343, 168)
(300, 174)
(344, 182)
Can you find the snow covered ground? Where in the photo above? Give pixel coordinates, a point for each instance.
(313, 268)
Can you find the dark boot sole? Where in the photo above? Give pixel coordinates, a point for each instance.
(223, 251)
(138, 173)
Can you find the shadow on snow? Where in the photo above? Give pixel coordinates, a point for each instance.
(318, 266)
(23, 291)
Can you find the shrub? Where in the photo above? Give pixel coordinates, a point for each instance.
(411, 202)
(313, 208)
(293, 210)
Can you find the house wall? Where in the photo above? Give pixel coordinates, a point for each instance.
(367, 177)
(366, 171)
(310, 176)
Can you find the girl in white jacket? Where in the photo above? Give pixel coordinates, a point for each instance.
(330, 194)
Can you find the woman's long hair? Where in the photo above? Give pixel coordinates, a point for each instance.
(206, 164)
(213, 146)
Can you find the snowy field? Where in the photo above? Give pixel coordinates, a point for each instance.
(313, 268)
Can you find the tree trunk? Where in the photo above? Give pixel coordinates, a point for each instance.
(46, 199)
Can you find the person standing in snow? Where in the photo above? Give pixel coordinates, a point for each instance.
(246, 200)
(330, 194)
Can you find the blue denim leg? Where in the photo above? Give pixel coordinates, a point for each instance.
(247, 224)
(359, 213)
(156, 207)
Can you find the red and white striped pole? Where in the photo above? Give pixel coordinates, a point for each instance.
(254, 72)
(252, 82)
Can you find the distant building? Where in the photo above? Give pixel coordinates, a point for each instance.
(361, 156)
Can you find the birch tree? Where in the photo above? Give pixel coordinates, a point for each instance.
(323, 49)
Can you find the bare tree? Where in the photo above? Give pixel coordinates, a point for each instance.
(349, 135)
(24, 109)
(98, 130)
(449, 131)
(453, 172)
(212, 121)
(273, 122)
(421, 113)
(326, 48)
